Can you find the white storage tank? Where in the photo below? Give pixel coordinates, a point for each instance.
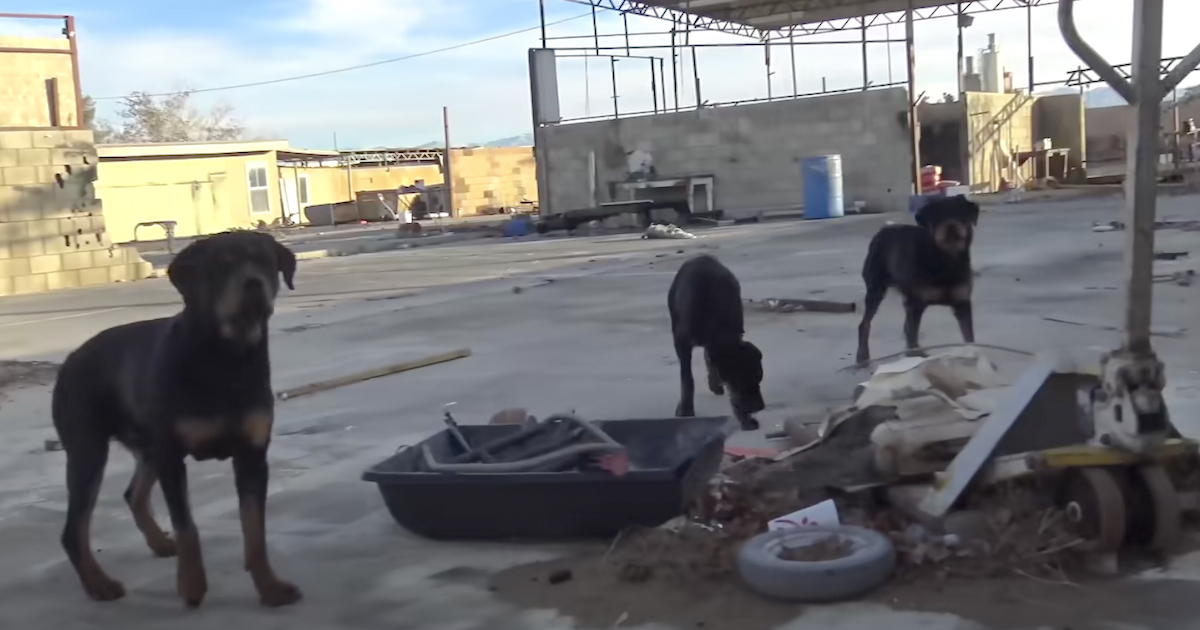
(991, 68)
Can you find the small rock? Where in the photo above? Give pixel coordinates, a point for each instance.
(517, 290)
(559, 576)
(969, 525)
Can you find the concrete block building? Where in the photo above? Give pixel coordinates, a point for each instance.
(52, 226)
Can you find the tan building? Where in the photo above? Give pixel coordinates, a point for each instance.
(52, 226)
(209, 187)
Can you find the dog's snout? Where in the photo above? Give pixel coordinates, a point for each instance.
(253, 284)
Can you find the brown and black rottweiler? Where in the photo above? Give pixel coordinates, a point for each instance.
(198, 384)
(928, 263)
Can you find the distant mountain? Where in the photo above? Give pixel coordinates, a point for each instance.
(1103, 96)
(523, 140)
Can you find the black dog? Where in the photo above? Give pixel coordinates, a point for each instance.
(705, 301)
(195, 384)
(929, 263)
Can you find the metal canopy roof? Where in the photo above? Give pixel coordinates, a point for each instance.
(771, 18)
(772, 15)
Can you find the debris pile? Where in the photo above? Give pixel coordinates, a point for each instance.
(666, 230)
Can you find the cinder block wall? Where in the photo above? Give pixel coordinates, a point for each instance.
(492, 177)
(753, 152)
(52, 232)
(998, 127)
(1061, 118)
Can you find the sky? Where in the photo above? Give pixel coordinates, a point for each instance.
(170, 45)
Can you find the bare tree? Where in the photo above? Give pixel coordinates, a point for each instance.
(102, 130)
(144, 117)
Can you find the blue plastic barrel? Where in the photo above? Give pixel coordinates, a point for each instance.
(822, 177)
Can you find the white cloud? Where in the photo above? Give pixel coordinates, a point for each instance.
(486, 86)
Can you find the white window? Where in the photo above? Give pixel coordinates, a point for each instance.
(302, 190)
(260, 193)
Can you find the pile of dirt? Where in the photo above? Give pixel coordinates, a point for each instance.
(19, 374)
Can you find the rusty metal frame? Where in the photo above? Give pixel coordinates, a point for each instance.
(72, 50)
(695, 21)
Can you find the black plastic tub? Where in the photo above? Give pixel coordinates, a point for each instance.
(671, 462)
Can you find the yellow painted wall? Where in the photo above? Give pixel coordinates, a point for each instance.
(23, 83)
(203, 194)
(491, 178)
(328, 184)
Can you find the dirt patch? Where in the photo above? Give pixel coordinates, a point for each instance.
(598, 597)
(824, 550)
(1019, 603)
(20, 374)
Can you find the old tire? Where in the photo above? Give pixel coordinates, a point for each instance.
(1095, 507)
(1167, 514)
(870, 563)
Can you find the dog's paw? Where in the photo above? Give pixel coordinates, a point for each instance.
(716, 387)
(192, 587)
(748, 424)
(103, 588)
(920, 354)
(279, 593)
(684, 411)
(162, 547)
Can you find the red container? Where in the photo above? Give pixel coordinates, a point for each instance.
(930, 176)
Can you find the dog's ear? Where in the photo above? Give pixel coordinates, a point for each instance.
(186, 269)
(972, 211)
(286, 262)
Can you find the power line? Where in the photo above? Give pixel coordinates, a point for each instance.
(357, 67)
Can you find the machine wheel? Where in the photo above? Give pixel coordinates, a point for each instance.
(1167, 515)
(1095, 507)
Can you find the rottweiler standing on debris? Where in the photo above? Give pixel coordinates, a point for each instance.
(198, 384)
(705, 301)
(928, 263)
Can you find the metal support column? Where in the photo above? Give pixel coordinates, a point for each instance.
(1029, 41)
(792, 51)
(914, 125)
(767, 62)
(961, 69)
(446, 159)
(865, 73)
(542, 15)
(674, 66)
(1133, 377)
(653, 86)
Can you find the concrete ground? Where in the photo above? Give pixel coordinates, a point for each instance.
(589, 332)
